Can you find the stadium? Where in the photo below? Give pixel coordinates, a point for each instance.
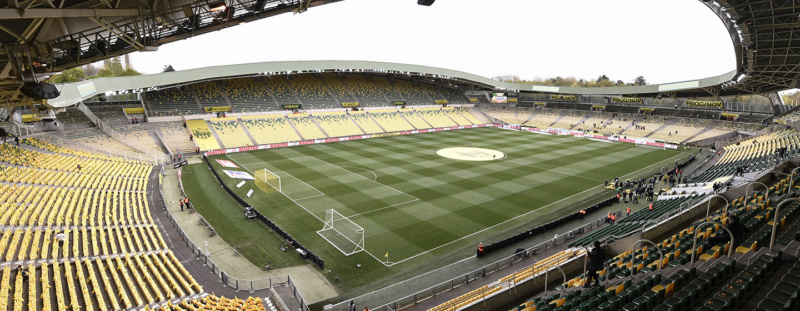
(371, 185)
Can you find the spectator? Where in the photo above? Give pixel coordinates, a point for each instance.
(596, 259)
(23, 273)
(60, 237)
(736, 227)
(351, 306)
(180, 202)
(480, 250)
(16, 140)
(191, 137)
(628, 211)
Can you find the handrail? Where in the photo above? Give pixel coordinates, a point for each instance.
(708, 209)
(548, 270)
(660, 251)
(694, 239)
(746, 189)
(775, 221)
(791, 178)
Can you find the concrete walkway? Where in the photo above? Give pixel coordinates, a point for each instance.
(313, 287)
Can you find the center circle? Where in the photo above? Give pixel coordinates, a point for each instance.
(471, 154)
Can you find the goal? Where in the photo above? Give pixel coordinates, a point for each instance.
(267, 181)
(342, 233)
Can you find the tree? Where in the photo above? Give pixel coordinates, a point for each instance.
(69, 76)
(601, 78)
(168, 68)
(640, 81)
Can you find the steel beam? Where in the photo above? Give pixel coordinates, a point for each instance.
(6, 13)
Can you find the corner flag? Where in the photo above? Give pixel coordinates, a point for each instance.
(387, 255)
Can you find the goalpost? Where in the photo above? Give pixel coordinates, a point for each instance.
(342, 233)
(267, 181)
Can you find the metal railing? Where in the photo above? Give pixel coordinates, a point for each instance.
(498, 265)
(225, 278)
(156, 156)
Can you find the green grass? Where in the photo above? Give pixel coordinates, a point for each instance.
(254, 240)
(425, 210)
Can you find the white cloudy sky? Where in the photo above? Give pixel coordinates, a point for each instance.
(666, 41)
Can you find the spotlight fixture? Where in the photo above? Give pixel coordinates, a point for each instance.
(425, 2)
(217, 7)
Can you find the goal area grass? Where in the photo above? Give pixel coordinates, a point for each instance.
(422, 209)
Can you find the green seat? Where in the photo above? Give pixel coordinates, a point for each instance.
(631, 307)
(772, 305)
(781, 297)
(716, 304)
(605, 306)
(728, 297)
(673, 303)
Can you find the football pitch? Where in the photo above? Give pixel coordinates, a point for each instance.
(413, 203)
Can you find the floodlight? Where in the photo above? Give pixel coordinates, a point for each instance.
(217, 7)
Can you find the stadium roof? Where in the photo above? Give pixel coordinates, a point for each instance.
(76, 92)
(41, 36)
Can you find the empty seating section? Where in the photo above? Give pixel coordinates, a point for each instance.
(596, 121)
(339, 89)
(543, 119)
(753, 155)
(212, 302)
(470, 117)
(644, 127)
(140, 136)
(456, 116)
(171, 102)
(510, 116)
(202, 135)
(110, 114)
(366, 92)
(678, 132)
(366, 123)
(98, 141)
(74, 119)
(270, 130)
(569, 121)
(312, 92)
(337, 125)
(307, 128)
(708, 133)
(415, 119)
(248, 95)
(453, 96)
(392, 121)
(113, 255)
(210, 95)
(414, 95)
(175, 137)
(231, 134)
(388, 89)
(435, 117)
(282, 92)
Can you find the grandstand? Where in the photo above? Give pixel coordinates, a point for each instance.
(230, 132)
(415, 119)
(366, 123)
(456, 116)
(339, 89)
(281, 91)
(413, 94)
(312, 92)
(210, 95)
(171, 102)
(541, 118)
(175, 137)
(391, 120)
(365, 91)
(111, 256)
(270, 129)
(337, 124)
(307, 128)
(248, 95)
(435, 117)
(202, 135)
(510, 116)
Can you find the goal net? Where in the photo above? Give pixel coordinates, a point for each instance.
(267, 181)
(344, 234)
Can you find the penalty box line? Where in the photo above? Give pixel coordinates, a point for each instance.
(315, 216)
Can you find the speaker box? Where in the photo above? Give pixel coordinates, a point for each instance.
(39, 90)
(425, 2)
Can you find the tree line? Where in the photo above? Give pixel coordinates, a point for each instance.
(111, 67)
(601, 81)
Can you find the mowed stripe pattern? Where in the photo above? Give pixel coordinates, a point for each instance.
(410, 200)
